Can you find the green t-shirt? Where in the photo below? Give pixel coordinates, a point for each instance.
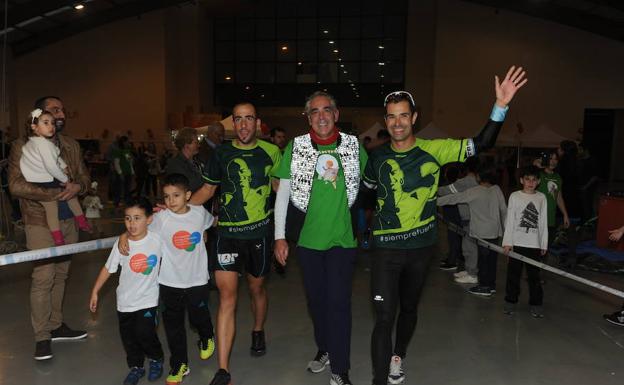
(407, 185)
(550, 185)
(244, 175)
(328, 219)
(125, 160)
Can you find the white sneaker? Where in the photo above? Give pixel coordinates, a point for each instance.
(396, 375)
(467, 279)
(320, 361)
(460, 274)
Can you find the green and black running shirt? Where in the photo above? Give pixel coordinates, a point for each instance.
(244, 175)
(407, 186)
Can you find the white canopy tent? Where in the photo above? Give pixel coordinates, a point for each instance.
(432, 132)
(541, 137)
(227, 123)
(372, 131)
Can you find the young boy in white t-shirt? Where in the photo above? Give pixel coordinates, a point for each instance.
(183, 274)
(526, 232)
(137, 293)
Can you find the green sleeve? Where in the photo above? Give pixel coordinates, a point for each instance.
(445, 150)
(283, 170)
(363, 159)
(274, 153)
(369, 173)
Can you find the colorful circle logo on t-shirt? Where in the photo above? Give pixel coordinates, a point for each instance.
(185, 240)
(141, 263)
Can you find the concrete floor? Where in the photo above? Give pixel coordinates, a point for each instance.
(460, 339)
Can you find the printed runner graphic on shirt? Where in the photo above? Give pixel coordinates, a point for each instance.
(407, 184)
(254, 197)
(142, 264)
(530, 217)
(184, 240)
(406, 204)
(244, 177)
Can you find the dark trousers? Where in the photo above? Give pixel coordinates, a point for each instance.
(176, 301)
(121, 190)
(514, 274)
(138, 335)
(397, 280)
(455, 257)
(487, 265)
(152, 185)
(327, 278)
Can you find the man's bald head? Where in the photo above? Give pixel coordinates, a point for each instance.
(215, 133)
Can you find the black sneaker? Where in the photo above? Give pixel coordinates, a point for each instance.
(258, 343)
(509, 308)
(483, 291)
(221, 377)
(339, 379)
(447, 266)
(134, 376)
(616, 318)
(43, 350)
(64, 333)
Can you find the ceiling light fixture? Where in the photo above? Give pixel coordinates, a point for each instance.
(79, 6)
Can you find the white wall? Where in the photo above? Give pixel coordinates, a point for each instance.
(110, 78)
(568, 69)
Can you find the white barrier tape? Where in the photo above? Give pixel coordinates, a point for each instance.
(533, 262)
(57, 251)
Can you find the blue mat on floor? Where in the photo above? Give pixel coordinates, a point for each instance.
(589, 247)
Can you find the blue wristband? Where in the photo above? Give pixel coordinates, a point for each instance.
(498, 113)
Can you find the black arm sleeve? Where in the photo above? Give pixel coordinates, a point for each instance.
(487, 137)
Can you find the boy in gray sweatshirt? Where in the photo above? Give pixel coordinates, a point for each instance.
(467, 273)
(487, 215)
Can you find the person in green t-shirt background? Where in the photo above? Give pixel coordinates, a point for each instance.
(319, 181)
(122, 166)
(405, 173)
(551, 186)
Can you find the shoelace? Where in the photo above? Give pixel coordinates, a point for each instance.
(395, 368)
(178, 371)
(155, 365)
(135, 373)
(321, 357)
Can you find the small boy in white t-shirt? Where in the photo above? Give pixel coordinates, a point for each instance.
(137, 293)
(526, 232)
(183, 274)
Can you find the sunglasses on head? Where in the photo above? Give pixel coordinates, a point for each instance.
(399, 96)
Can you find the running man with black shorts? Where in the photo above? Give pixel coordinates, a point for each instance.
(242, 168)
